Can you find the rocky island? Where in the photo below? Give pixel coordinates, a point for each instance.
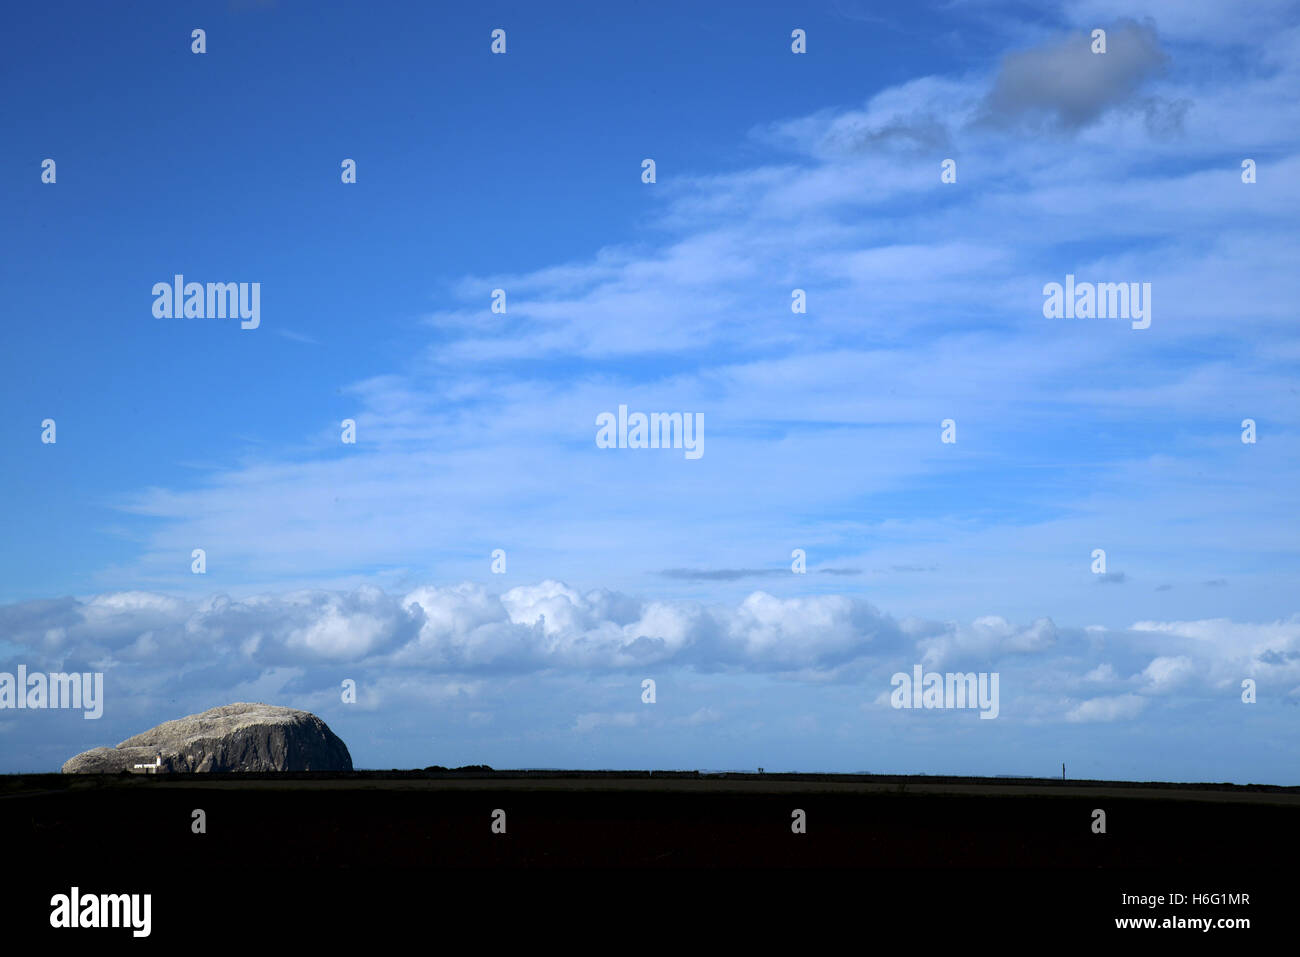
(234, 737)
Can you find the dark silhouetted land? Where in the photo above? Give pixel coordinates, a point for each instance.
(1022, 850)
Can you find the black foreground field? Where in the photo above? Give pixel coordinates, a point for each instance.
(307, 854)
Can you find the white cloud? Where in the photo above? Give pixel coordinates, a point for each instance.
(438, 643)
(990, 636)
(1116, 708)
(1167, 673)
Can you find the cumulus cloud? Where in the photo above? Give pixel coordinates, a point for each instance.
(791, 633)
(1103, 672)
(1115, 708)
(989, 637)
(1167, 673)
(453, 629)
(439, 644)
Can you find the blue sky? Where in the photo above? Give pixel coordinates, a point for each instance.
(476, 431)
